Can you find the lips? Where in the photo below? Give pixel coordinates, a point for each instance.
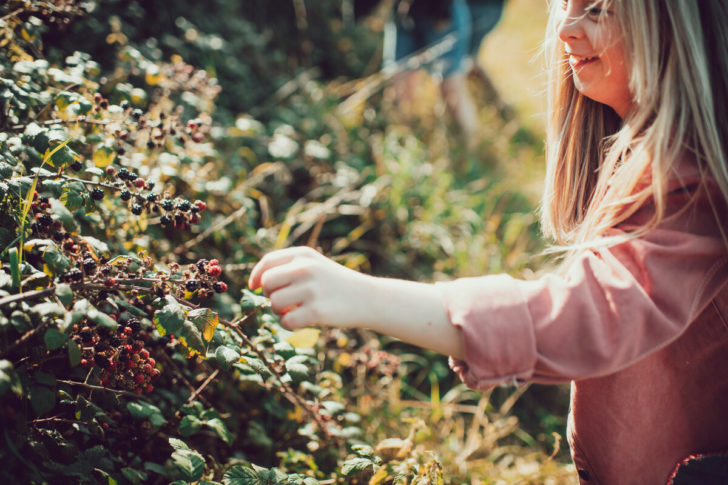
(577, 62)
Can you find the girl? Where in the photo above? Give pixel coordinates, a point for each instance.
(636, 190)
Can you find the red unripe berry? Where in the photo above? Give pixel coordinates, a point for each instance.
(214, 271)
(148, 369)
(139, 182)
(214, 262)
(220, 287)
(194, 218)
(138, 390)
(200, 205)
(84, 362)
(155, 372)
(127, 330)
(110, 282)
(144, 354)
(149, 388)
(110, 171)
(139, 378)
(151, 362)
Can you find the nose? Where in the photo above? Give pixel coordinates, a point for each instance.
(570, 27)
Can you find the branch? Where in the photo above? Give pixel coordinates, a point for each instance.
(285, 389)
(102, 388)
(70, 121)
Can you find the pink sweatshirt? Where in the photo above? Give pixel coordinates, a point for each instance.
(641, 330)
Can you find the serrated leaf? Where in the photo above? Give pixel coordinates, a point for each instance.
(296, 367)
(55, 259)
(218, 426)
(190, 336)
(190, 463)
(304, 338)
(241, 475)
(205, 320)
(170, 317)
(189, 425)
(356, 465)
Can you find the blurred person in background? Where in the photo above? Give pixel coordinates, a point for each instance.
(454, 29)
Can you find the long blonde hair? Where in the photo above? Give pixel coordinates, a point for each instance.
(600, 168)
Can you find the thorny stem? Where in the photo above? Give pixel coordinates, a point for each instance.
(101, 388)
(287, 391)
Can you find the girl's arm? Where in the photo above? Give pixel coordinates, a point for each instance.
(307, 288)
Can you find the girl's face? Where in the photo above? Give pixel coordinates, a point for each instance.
(594, 43)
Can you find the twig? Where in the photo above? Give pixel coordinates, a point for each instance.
(203, 386)
(285, 389)
(102, 388)
(27, 296)
(70, 121)
(11, 14)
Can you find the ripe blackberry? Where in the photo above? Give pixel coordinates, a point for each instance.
(45, 220)
(89, 264)
(137, 209)
(137, 114)
(97, 193)
(166, 221)
(134, 324)
(191, 285)
(201, 265)
(75, 274)
(184, 205)
(102, 361)
(76, 166)
(151, 197)
(125, 195)
(167, 204)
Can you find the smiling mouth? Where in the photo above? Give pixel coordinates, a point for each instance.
(577, 62)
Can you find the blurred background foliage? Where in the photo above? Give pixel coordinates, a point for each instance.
(304, 145)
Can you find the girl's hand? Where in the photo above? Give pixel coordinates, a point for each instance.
(307, 288)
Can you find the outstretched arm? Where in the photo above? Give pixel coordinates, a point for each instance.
(306, 288)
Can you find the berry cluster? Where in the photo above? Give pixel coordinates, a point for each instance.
(120, 356)
(201, 278)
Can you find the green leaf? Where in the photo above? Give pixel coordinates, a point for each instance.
(205, 320)
(226, 356)
(169, 318)
(218, 426)
(55, 259)
(250, 301)
(189, 425)
(133, 475)
(64, 294)
(356, 465)
(74, 353)
(189, 462)
(42, 398)
(297, 368)
(9, 380)
(191, 337)
(145, 410)
(241, 475)
(102, 318)
(53, 339)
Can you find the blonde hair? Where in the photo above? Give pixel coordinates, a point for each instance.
(599, 168)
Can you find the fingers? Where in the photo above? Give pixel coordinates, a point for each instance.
(270, 260)
(289, 298)
(303, 316)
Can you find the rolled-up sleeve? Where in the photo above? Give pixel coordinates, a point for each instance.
(612, 307)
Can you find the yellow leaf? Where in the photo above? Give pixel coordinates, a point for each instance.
(379, 476)
(103, 156)
(304, 338)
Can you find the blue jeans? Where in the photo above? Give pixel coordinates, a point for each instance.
(403, 39)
